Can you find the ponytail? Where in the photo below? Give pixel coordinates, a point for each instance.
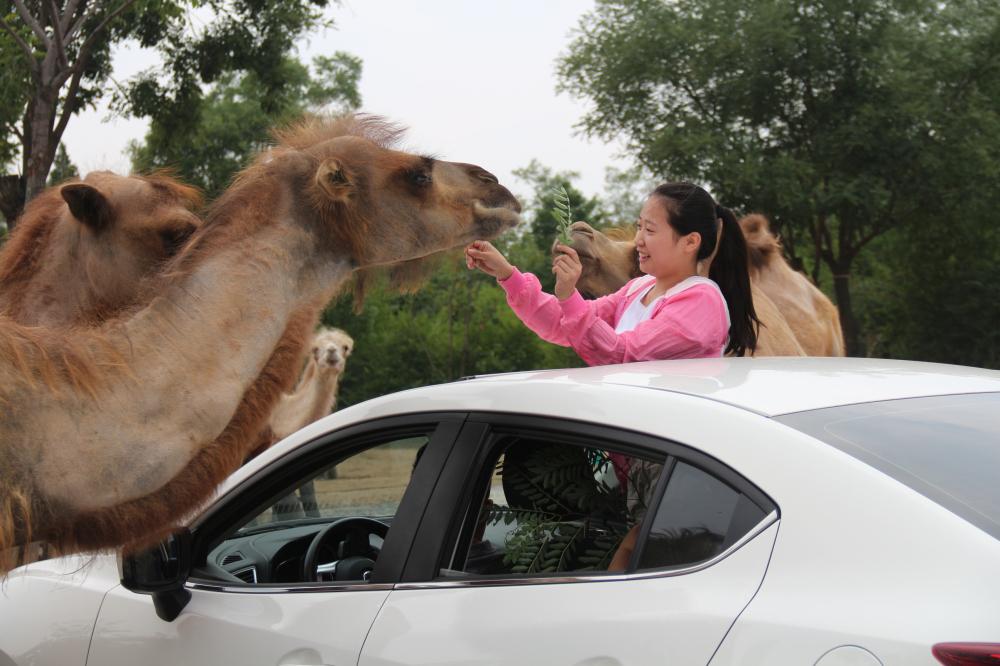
(730, 271)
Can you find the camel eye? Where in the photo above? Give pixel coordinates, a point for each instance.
(421, 178)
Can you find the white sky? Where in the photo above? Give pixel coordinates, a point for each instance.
(474, 81)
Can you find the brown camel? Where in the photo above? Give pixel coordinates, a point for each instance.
(609, 261)
(82, 250)
(808, 311)
(113, 434)
(315, 395)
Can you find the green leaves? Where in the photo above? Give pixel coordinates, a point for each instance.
(562, 212)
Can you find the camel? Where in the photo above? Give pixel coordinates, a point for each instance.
(114, 434)
(813, 317)
(82, 250)
(315, 395)
(609, 261)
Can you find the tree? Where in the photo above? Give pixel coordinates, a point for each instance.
(62, 167)
(63, 48)
(235, 115)
(842, 119)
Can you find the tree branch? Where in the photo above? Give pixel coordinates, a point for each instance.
(56, 33)
(67, 18)
(67, 109)
(36, 28)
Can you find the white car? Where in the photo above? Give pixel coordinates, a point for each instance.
(732, 511)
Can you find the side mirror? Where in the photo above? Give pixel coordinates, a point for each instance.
(161, 571)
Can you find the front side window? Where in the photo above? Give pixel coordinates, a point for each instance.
(329, 525)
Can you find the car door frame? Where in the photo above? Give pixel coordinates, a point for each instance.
(443, 523)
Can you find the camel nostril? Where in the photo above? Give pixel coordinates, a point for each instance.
(486, 176)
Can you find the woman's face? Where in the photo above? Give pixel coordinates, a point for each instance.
(662, 251)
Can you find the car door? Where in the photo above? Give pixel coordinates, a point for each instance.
(250, 602)
(511, 562)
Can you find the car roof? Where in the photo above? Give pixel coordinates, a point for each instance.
(773, 386)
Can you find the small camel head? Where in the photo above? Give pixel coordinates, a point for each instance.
(97, 239)
(118, 230)
(386, 206)
(609, 260)
(331, 347)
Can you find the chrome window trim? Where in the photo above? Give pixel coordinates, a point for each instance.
(359, 586)
(763, 525)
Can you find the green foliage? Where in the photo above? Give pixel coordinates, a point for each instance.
(62, 167)
(573, 520)
(841, 119)
(235, 117)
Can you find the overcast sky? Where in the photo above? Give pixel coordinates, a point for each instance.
(474, 81)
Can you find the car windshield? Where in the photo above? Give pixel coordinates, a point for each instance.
(945, 447)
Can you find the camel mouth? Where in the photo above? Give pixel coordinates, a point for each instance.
(491, 221)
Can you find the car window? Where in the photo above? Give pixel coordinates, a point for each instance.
(546, 507)
(329, 525)
(945, 447)
(698, 517)
(368, 483)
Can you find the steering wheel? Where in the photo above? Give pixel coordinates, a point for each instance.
(351, 539)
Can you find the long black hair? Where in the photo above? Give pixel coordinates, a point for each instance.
(690, 208)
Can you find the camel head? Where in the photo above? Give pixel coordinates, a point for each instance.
(87, 245)
(763, 246)
(609, 260)
(331, 347)
(386, 206)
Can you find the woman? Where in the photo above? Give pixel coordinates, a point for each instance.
(671, 312)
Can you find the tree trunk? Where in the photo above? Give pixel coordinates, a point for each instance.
(11, 198)
(848, 323)
(38, 153)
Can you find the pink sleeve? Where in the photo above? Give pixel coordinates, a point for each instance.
(691, 324)
(542, 312)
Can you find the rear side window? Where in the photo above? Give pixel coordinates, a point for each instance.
(699, 517)
(947, 448)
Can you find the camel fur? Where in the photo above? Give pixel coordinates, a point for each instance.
(808, 311)
(113, 435)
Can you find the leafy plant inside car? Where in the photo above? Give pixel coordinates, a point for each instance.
(568, 517)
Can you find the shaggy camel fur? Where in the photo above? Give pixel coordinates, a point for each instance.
(316, 393)
(808, 311)
(82, 250)
(114, 434)
(609, 261)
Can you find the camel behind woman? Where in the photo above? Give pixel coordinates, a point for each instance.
(82, 250)
(813, 317)
(94, 449)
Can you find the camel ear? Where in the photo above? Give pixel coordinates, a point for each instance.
(333, 179)
(88, 205)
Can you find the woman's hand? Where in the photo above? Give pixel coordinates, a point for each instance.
(567, 267)
(485, 257)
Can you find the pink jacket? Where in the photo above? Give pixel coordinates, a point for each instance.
(691, 323)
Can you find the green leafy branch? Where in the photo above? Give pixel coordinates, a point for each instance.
(562, 212)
